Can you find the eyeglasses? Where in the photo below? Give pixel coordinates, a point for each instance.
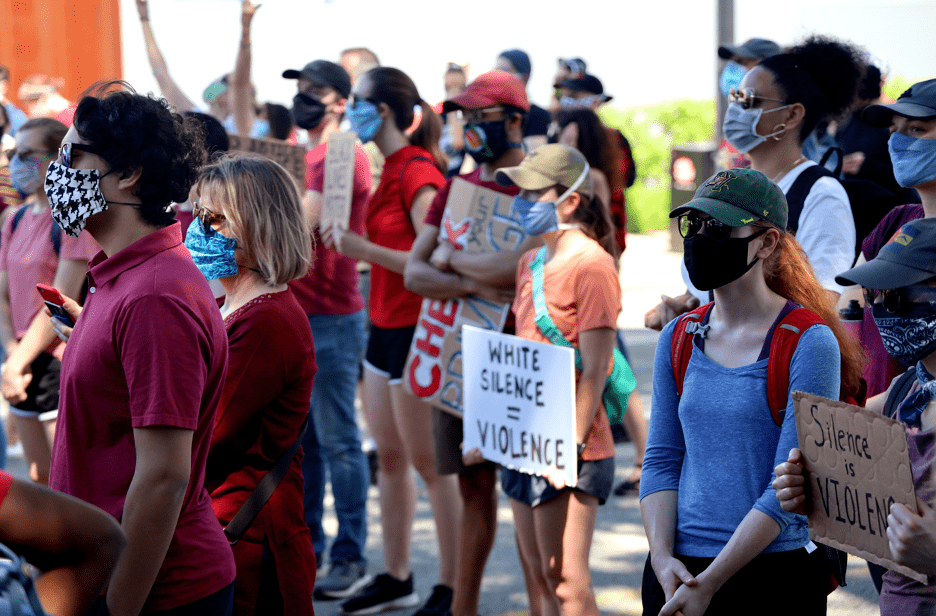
(208, 218)
(24, 155)
(746, 98)
(65, 152)
(897, 300)
(691, 223)
(355, 99)
(474, 116)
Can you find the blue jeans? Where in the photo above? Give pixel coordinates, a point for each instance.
(333, 438)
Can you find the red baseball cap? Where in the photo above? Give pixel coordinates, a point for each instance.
(489, 89)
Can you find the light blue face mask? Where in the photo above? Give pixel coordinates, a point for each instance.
(740, 127)
(365, 120)
(539, 217)
(212, 252)
(914, 159)
(731, 77)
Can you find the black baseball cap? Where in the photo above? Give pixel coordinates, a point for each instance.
(325, 73)
(738, 197)
(755, 48)
(918, 102)
(908, 258)
(585, 83)
(520, 60)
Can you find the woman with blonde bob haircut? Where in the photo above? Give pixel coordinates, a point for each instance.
(250, 233)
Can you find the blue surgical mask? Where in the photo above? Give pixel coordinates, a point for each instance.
(914, 159)
(740, 127)
(261, 128)
(567, 102)
(365, 120)
(731, 77)
(24, 174)
(212, 252)
(539, 217)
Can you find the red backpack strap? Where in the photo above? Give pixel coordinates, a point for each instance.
(682, 343)
(785, 338)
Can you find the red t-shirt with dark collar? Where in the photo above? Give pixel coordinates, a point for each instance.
(148, 350)
(405, 172)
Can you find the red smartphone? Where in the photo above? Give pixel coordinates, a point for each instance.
(54, 300)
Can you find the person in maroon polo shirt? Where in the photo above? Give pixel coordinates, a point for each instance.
(145, 363)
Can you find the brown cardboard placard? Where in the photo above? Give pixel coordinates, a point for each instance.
(290, 155)
(476, 219)
(339, 179)
(858, 465)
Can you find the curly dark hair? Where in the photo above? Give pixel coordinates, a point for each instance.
(822, 74)
(133, 132)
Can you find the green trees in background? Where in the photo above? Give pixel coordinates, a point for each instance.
(652, 132)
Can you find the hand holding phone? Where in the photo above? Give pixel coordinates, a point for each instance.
(54, 300)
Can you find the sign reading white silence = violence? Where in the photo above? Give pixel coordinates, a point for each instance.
(858, 465)
(520, 402)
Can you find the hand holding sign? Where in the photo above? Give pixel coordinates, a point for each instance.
(790, 483)
(912, 537)
(339, 179)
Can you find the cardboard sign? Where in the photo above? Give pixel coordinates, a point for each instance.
(339, 179)
(290, 155)
(476, 219)
(859, 465)
(520, 402)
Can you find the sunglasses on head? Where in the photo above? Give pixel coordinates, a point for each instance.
(746, 97)
(65, 152)
(898, 300)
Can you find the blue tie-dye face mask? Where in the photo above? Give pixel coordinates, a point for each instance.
(212, 252)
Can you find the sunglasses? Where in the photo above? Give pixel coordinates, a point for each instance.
(65, 152)
(691, 223)
(208, 218)
(355, 99)
(747, 98)
(25, 155)
(898, 300)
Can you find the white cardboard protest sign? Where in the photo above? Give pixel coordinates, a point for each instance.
(339, 179)
(289, 155)
(476, 219)
(520, 402)
(859, 465)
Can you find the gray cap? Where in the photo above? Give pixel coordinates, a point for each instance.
(755, 48)
(324, 73)
(908, 258)
(918, 102)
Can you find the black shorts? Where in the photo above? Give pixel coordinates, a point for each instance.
(42, 394)
(595, 477)
(448, 434)
(387, 350)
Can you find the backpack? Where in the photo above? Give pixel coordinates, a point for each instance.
(783, 340)
(899, 392)
(55, 232)
(869, 200)
(17, 587)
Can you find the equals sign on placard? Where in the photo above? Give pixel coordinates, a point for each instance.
(513, 412)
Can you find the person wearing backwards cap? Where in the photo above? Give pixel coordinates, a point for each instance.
(900, 285)
(580, 287)
(716, 530)
(493, 106)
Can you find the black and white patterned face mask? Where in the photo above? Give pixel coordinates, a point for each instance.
(74, 196)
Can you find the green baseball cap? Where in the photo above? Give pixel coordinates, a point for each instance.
(738, 197)
(549, 165)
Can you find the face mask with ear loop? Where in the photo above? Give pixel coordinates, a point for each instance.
(542, 216)
(740, 127)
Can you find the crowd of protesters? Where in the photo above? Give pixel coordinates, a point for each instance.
(208, 338)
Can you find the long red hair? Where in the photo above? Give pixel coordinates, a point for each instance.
(788, 273)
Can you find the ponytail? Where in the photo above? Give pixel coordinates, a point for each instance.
(788, 273)
(428, 133)
(594, 219)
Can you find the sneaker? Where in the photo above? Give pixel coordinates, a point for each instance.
(439, 603)
(384, 593)
(344, 578)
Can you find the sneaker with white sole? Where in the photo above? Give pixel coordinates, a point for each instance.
(385, 592)
(344, 579)
(439, 602)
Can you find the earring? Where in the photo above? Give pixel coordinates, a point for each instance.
(779, 129)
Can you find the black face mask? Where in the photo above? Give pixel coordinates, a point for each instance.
(712, 264)
(487, 141)
(307, 111)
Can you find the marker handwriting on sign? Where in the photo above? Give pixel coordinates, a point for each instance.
(504, 439)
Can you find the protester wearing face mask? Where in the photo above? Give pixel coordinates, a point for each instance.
(331, 298)
(381, 110)
(900, 285)
(717, 533)
(251, 234)
(33, 250)
(584, 91)
(10, 198)
(576, 267)
(779, 102)
(132, 436)
(493, 106)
